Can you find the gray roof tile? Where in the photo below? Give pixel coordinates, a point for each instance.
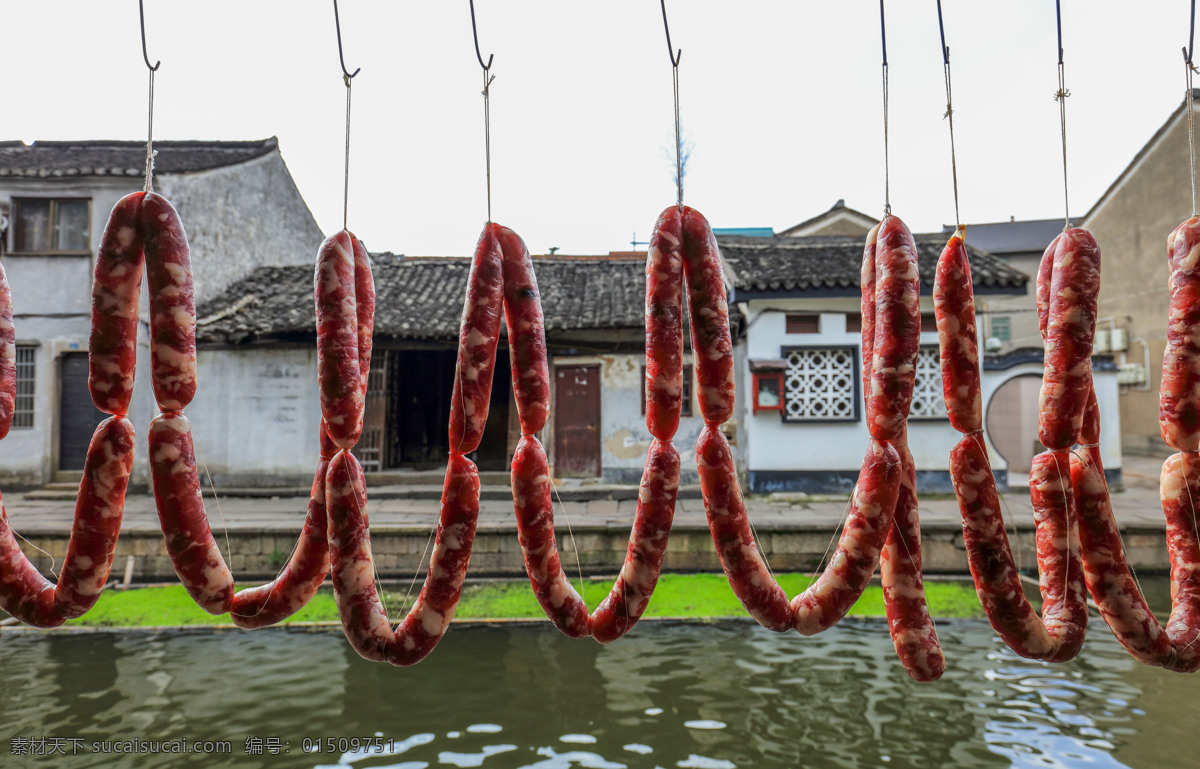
(121, 158)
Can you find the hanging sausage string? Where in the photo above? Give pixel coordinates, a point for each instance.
(487, 111)
(1189, 69)
(1061, 97)
(949, 116)
(347, 76)
(882, 528)
(675, 56)
(150, 119)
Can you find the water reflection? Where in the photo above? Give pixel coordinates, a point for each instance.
(685, 696)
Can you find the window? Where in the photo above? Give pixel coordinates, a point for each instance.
(50, 225)
(23, 408)
(853, 323)
(686, 407)
(802, 324)
(1002, 327)
(928, 321)
(928, 399)
(821, 384)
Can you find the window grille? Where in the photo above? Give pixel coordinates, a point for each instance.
(1002, 327)
(928, 400)
(23, 408)
(821, 384)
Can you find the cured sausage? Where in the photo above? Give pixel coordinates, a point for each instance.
(1179, 408)
(872, 508)
(99, 508)
(912, 628)
(8, 357)
(363, 616)
(895, 333)
(189, 541)
(1070, 327)
(664, 325)
(712, 344)
(172, 304)
(867, 283)
(954, 310)
(24, 592)
(1180, 490)
(364, 308)
(526, 332)
(305, 571)
(1060, 570)
(477, 340)
(116, 288)
(630, 595)
(532, 486)
(338, 365)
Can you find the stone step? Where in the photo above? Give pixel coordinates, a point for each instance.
(51, 494)
(70, 486)
(431, 491)
(68, 476)
(430, 478)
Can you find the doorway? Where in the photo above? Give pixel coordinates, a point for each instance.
(577, 421)
(77, 415)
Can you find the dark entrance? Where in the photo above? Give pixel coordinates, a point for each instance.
(577, 421)
(420, 385)
(77, 415)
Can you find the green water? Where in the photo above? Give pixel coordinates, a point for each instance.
(669, 695)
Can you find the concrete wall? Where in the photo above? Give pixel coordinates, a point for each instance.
(241, 217)
(1131, 225)
(1021, 311)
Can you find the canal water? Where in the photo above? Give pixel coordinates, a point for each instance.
(695, 696)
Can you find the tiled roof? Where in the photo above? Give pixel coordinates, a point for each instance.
(422, 298)
(1013, 237)
(831, 265)
(118, 158)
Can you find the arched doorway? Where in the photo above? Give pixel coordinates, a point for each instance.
(1012, 425)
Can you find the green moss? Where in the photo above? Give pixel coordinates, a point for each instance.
(677, 595)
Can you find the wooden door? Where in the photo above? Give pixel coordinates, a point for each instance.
(77, 415)
(577, 421)
(369, 449)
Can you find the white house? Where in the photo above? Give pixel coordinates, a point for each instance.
(239, 206)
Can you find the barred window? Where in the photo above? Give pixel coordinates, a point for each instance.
(821, 384)
(23, 409)
(928, 401)
(1002, 327)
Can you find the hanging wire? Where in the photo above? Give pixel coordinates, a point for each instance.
(1189, 69)
(1061, 98)
(150, 119)
(487, 110)
(675, 56)
(887, 191)
(347, 76)
(950, 117)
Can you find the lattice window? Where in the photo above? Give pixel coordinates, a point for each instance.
(23, 408)
(821, 384)
(928, 401)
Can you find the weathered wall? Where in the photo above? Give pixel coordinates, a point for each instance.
(1131, 225)
(1020, 311)
(242, 217)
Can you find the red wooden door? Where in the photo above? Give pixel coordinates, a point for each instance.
(577, 421)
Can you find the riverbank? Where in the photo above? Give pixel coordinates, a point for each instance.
(677, 596)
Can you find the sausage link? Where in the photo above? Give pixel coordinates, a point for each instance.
(867, 283)
(1060, 566)
(896, 332)
(99, 507)
(1180, 492)
(24, 592)
(189, 541)
(305, 572)
(1179, 408)
(744, 567)
(913, 631)
(1044, 276)
(8, 357)
(630, 595)
(664, 325)
(477, 340)
(708, 307)
(872, 506)
(116, 290)
(338, 340)
(172, 304)
(364, 307)
(363, 617)
(531, 486)
(526, 332)
(954, 309)
(1070, 327)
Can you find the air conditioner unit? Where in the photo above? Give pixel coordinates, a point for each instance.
(1101, 343)
(1120, 340)
(992, 344)
(1131, 374)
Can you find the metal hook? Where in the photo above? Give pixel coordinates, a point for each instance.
(475, 34)
(142, 19)
(338, 23)
(883, 32)
(1187, 50)
(942, 32)
(674, 57)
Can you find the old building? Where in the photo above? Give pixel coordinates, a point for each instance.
(241, 210)
(1131, 221)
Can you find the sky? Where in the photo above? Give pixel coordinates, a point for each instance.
(781, 102)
